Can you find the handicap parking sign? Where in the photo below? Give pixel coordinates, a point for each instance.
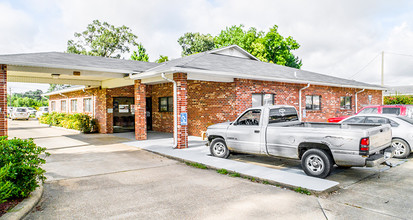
(184, 118)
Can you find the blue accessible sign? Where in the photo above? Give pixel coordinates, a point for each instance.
(184, 118)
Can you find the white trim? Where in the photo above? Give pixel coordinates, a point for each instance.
(234, 47)
(70, 89)
(246, 76)
(70, 105)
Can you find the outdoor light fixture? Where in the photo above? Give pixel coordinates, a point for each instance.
(55, 76)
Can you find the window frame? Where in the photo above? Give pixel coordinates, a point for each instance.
(345, 101)
(53, 106)
(71, 105)
(262, 98)
(90, 106)
(245, 113)
(63, 106)
(312, 103)
(169, 106)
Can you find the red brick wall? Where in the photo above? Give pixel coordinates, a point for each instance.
(3, 100)
(103, 101)
(161, 121)
(140, 111)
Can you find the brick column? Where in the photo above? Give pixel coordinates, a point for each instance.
(3, 100)
(182, 107)
(140, 110)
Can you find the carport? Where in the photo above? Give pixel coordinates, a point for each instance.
(65, 68)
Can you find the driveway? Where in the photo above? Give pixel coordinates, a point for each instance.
(95, 176)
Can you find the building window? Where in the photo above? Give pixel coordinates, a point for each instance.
(87, 104)
(73, 105)
(312, 102)
(166, 104)
(260, 99)
(53, 105)
(345, 102)
(63, 105)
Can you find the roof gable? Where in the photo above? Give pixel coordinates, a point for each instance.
(234, 51)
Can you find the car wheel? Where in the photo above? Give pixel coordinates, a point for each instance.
(219, 148)
(317, 163)
(402, 148)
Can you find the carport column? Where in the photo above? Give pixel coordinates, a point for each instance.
(140, 110)
(182, 109)
(3, 100)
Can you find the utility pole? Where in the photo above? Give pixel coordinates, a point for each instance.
(382, 68)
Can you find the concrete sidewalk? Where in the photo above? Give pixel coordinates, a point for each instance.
(199, 153)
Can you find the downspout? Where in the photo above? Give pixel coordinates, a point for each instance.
(299, 99)
(357, 99)
(67, 102)
(93, 102)
(175, 109)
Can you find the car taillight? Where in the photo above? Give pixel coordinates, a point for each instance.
(364, 146)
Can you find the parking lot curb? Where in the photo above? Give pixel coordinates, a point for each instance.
(272, 182)
(25, 206)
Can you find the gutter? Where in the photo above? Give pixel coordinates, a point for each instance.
(246, 76)
(357, 99)
(299, 98)
(175, 109)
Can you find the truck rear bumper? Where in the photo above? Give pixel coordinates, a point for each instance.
(377, 159)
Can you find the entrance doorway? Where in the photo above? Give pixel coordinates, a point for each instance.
(149, 113)
(123, 114)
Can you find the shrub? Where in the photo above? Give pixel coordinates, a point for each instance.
(398, 99)
(78, 121)
(20, 164)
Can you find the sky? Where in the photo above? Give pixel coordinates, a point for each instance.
(339, 38)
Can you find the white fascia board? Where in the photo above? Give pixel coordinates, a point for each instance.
(77, 88)
(32, 69)
(60, 66)
(247, 76)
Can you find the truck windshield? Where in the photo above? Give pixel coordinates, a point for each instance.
(282, 115)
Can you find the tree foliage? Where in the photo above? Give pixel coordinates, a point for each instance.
(162, 59)
(103, 39)
(268, 47)
(141, 55)
(55, 87)
(195, 42)
(27, 99)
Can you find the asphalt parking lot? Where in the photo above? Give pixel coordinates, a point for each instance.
(97, 176)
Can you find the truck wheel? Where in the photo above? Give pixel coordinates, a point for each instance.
(219, 148)
(402, 148)
(317, 163)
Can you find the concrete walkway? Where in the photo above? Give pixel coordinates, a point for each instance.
(199, 153)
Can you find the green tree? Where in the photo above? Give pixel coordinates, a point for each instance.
(55, 87)
(141, 55)
(195, 43)
(268, 47)
(103, 39)
(237, 35)
(162, 59)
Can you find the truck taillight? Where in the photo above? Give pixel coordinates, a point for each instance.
(364, 146)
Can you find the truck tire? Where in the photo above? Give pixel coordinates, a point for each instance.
(402, 148)
(317, 163)
(219, 148)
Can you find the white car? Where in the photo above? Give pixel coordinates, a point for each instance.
(402, 130)
(20, 113)
(42, 111)
(31, 111)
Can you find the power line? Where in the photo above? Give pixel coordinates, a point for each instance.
(364, 67)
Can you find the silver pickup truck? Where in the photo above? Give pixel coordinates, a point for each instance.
(276, 131)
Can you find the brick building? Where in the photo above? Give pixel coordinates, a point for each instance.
(208, 88)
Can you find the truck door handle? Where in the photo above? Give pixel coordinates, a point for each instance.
(256, 131)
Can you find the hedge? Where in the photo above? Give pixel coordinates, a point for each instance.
(78, 121)
(398, 99)
(20, 167)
